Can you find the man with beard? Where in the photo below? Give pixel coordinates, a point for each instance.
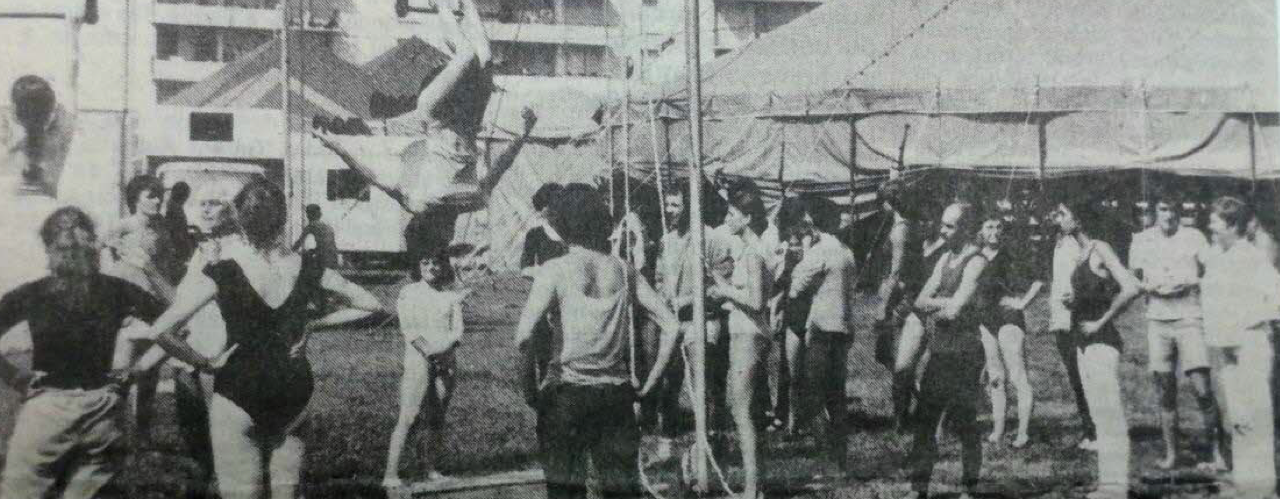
(67, 435)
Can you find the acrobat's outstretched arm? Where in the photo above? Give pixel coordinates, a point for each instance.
(364, 170)
(508, 157)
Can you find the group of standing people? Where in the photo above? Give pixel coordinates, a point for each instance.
(955, 303)
(1203, 310)
(236, 320)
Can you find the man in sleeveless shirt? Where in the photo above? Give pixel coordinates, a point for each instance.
(950, 385)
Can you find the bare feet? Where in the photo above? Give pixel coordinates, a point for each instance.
(995, 437)
(392, 482)
(1021, 441)
(1167, 463)
(435, 476)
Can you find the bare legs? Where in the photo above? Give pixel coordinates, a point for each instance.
(1006, 363)
(416, 387)
(248, 466)
(910, 351)
(746, 356)
(795, 346)
(1167, 388)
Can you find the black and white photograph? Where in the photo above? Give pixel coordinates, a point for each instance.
(650, 249)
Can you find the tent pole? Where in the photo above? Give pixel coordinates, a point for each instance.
(853, 166)
(285, 106)
(657, 166)
(693, 47)
(1253, 158)
(613, 154)
(1042, 137)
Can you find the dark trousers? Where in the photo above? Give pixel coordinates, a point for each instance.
(950, 386)
(782, 401)
(1068, 348)
(575, 421)
(193, 422)
(825, 357)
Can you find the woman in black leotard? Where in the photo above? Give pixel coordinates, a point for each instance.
(1101, 288)
(262, 382)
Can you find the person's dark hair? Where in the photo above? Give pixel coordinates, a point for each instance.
(52, 223)
(442, 259)
(824, 212)
(313, 212)
(790, 213)
(575, 215)
(33, 104)
(1173, 198)
(542, 197)
(896, 194)
(180, 193)
(138, 185)
(745, 196)
(260, 212)
(1087, 213)
(1236, 213)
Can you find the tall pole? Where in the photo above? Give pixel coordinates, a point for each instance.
(853, 167)
(693, 47)
(284, 109)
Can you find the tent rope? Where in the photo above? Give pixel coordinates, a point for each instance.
(894, 46)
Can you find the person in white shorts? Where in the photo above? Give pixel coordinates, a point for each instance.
(1166, 257)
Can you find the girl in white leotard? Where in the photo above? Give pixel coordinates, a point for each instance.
(432, 324)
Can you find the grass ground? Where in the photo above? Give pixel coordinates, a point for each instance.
(357, 371)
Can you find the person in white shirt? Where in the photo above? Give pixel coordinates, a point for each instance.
(828, 270)
(431, 321)
(1240, 293)
(1166, 258)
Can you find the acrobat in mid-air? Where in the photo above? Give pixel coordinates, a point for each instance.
(438, 179)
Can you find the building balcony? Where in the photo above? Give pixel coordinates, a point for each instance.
(551, 33)
(217, 16)
(182, 70)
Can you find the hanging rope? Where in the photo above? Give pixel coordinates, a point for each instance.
(894, 46)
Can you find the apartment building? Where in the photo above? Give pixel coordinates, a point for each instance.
(569, 43)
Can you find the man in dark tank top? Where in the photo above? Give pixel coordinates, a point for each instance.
(950, 385)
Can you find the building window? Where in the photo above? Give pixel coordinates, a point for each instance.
(212, 127)
(238, 42)
(167, 39)
(346, 184)
(204, 44)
